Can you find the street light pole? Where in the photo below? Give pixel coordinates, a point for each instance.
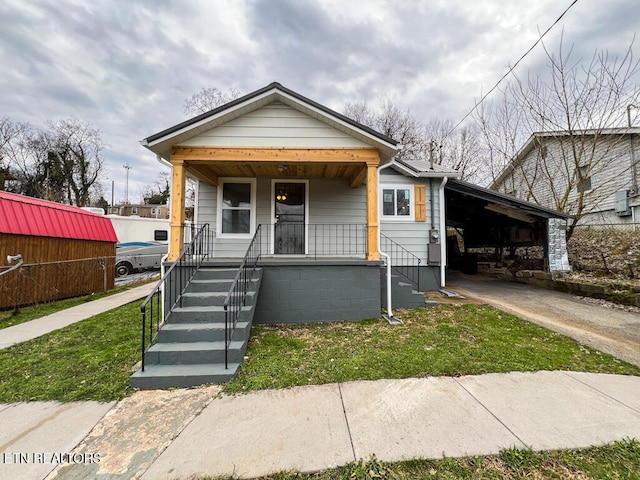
(127, 167)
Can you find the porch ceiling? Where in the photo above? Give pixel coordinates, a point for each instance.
(210, 163)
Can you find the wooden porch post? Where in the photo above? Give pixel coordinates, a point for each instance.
(178, 188)
(372, 213)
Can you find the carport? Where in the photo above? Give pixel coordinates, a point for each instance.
(498, 225)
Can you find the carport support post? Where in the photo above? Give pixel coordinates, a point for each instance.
(177, 209)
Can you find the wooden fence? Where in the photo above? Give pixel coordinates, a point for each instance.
(54, 268)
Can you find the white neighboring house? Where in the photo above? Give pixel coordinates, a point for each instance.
(591, 174)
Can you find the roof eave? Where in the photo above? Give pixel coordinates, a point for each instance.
(465, 187)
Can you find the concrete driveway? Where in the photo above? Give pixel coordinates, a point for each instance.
(609, 329)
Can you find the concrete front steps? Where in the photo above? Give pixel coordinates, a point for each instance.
(190, 348)
(403, 292)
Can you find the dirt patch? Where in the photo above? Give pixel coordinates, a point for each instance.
(440, 297)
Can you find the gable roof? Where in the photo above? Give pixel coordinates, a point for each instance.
(21, 215)
(160, 143)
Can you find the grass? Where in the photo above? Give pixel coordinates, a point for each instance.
(448, 340)
(618, 460)
(89, 360)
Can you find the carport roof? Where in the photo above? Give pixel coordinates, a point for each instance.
(496, 202)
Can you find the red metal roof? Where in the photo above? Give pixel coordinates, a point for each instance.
(20, 215)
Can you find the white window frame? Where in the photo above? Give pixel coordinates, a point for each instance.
(252, 209)
(586, 179)
(412, 204)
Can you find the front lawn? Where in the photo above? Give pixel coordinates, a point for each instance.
(93, 359)
(447, 340)
(89, 360)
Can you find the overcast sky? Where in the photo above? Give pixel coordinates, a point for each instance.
(127, 66)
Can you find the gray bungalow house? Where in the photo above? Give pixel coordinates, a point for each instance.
(313, 200)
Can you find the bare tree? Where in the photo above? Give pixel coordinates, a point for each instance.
(394, 122)
(461, 149)
(76, 149)
(24, 151)
(576, 105)
(207, 99)
(61, 163)
(9, 133)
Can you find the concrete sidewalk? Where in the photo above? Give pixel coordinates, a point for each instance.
(41, 326)
(192, 433)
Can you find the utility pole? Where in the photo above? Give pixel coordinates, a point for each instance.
(127, 167)
(634, 180)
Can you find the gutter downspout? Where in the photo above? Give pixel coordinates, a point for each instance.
(164, 257)
(162, 270)
(443, 234)
(389, 317)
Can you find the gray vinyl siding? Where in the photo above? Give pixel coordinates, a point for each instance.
(610, 173)
(412, 235)
(206, 208)
(275, 125)
(331, 201)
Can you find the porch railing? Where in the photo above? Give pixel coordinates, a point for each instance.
(322, 240)
(167, 294)
(403, 261)
(236, 298)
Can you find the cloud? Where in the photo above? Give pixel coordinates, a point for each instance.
(127, 67)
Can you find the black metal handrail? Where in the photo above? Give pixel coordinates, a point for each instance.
(403, 261)
(237, 296)
(323, 240)
(168, 291)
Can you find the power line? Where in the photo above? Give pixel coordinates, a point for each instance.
(484, 97)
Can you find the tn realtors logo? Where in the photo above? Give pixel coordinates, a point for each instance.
(49, 457)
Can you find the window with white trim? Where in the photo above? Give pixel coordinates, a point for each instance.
(236, 207)
(397, 202)
(584, 179)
